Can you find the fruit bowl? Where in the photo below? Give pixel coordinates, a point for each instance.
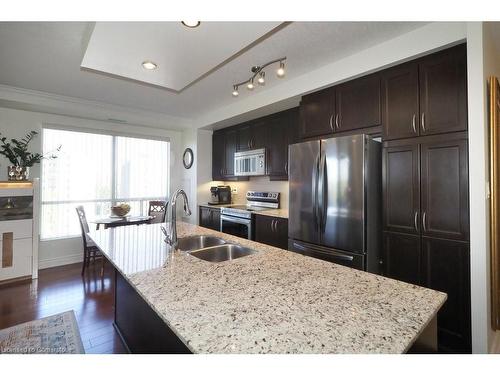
(120, 210)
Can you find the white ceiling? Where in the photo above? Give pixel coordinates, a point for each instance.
(46, 56)
(183, 55)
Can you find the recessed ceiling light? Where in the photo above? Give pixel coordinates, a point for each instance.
(149, 65)
(191, 24)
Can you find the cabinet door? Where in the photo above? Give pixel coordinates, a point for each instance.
(445, 188)
(400, 111)
(443, 91)
(230, 138)
(244, 137)
(402, 257)
(215, 219)
(271, 231)
(218, 155)
(281, 233)
(401, 186)
(282, 131)
(205, 218)
(316, 113)
(446, 268)
(358, 104)
(277, 150)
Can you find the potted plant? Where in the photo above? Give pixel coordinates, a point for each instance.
(19, 156)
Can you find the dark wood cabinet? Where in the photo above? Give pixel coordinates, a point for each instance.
(274, 133)
(401, 187)
(230, 139)
(358, 104)
(316, 113)
(218, 155)
(224, 144)
(443, 91)
(446, 268)
(426, 96)
(400, 95)
(271, 230)
(445, 187)
(209, 218)
(402, 257)
(282, 131)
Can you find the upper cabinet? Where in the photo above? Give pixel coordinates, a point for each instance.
(426, 96)
(282, 131)
(316, 113)
(358, 104)
(274, 133)
(223, 149)
(346, 107)
(400, 111)
(443, 91)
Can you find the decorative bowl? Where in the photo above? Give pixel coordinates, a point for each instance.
(120, 210)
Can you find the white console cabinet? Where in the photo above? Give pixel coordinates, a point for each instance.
(19, 230)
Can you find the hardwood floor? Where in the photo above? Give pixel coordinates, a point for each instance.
(61, 289)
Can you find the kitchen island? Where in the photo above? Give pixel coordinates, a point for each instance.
(273, 301)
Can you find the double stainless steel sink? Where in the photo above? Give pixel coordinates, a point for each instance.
(212, 249)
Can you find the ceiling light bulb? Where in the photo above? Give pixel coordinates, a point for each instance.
(250, 85)
(149, 65)
(281, 70)
(261, 80)
(235, 91)
(191, 24)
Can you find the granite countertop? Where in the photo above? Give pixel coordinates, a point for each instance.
(275, 212)
(273, 301)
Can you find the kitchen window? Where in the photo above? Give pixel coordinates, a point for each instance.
(98, 171)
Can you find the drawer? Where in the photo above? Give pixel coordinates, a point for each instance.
(21, 260)
(20, 228)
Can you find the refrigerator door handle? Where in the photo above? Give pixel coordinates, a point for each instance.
(315, 190)
(321, 189)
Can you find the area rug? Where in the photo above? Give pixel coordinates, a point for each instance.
(56, 334)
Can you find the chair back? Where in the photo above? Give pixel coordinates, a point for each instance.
(84, 225)
(158, 210)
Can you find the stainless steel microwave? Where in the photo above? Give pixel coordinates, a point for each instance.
(250, 163)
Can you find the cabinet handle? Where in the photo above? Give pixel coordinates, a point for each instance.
(286, 167)
(337, 124)
(423, 121)
(272, 225)
(275, 225)
(413, 123)
(415, 221)
(424, 219)
(331, 121)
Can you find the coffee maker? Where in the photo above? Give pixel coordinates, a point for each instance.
(220, 195)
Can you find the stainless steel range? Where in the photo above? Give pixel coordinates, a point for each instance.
(238, 220)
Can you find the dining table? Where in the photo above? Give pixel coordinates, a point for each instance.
(118, 221)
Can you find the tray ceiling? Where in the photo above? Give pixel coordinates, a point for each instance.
(183, 55)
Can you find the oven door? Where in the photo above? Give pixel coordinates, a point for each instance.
(236, 226)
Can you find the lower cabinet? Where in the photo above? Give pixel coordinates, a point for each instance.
(446, 268)
(209, 218)
(437, 264)
(271, 231)
(402, 257)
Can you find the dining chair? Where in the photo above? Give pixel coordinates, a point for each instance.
(90, 250)
(157, 209)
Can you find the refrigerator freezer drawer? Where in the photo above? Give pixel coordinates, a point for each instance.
(343, 258)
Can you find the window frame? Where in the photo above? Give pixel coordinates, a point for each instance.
(113, 199)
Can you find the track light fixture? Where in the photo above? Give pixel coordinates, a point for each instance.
(258, 71)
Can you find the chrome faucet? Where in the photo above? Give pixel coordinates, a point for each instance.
(171, 235)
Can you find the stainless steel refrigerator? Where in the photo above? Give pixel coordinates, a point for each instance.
(335, 202)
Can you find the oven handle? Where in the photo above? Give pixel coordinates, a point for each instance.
(235, 220)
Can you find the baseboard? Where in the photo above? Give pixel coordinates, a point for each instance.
(59, 261)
